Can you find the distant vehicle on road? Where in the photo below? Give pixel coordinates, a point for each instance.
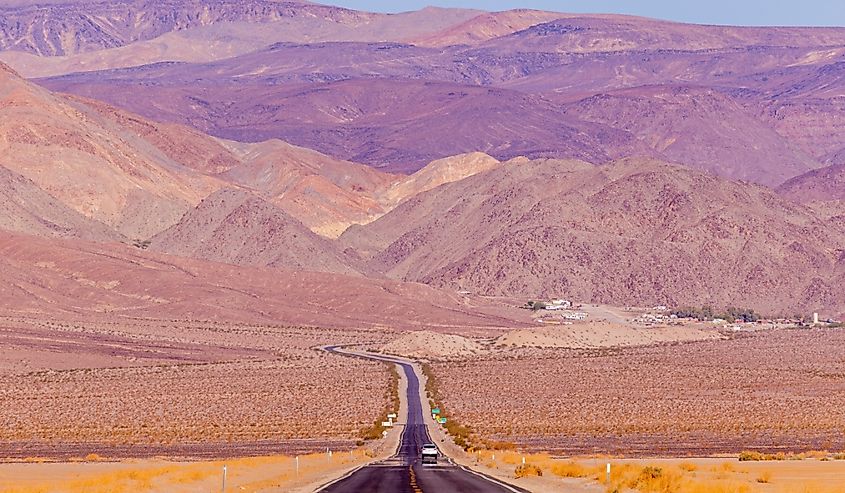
(429, 453)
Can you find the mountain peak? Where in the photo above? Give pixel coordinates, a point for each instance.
(440, 171)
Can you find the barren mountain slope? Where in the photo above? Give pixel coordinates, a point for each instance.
(236, 227)
(27, 209)
(98, 35)
(79, 27)
(503, 66)
(633, 232)
(582, 74)
(180, 143)
(436, 173)
(369, 121)
(817, 185)
(92, 164)
(700, 128)
(805, 104)
(77, 280)
(769, 92)
(487, 26)
(590, 34)
(326, 194)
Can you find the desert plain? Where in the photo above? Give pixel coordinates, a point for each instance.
(602, 240)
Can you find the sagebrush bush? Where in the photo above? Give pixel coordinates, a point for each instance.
(525, 470)
(753, 456)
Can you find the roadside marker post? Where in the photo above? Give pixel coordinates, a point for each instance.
(608, 473)
(297, 465)
(224, 479)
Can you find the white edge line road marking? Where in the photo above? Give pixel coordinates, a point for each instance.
(490, 479)
(400, 360)
(334, 481)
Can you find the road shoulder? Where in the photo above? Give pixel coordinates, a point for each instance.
(381, 449)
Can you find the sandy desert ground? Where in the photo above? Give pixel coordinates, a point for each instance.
(779, 390)
(145, 389)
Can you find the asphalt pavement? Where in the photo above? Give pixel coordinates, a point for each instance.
(404, 472)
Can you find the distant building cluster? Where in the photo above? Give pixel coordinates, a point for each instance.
(649, 319)
(737, 320)
(564, 310)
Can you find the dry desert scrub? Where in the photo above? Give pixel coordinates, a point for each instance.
(224, 402)
(462, 435)
(176, 388)
(376, 430)
(781, 389)
(722, 476)
(248, 475)
(526, 470)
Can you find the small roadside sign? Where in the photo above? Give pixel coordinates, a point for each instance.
(442, 421)
(436, 410)
(392, 415)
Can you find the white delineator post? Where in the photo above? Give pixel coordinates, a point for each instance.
(297, 465)
(224, 480)
(608, 473)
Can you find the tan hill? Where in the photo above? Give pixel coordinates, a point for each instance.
(27, 209)
(487, 26)
(180, 143)
(433, 175)
(629, 233)
(92, 164)
(236, 227)
(77, 280)
(428, 344)
(438, 172)
(326, 194)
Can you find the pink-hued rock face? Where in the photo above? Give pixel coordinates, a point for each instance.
(629, 232)
(510, 153)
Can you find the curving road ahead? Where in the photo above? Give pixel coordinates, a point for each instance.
(404, 472)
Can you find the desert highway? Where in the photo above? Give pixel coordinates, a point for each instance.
(404, 472)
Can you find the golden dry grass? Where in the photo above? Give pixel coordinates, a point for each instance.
(250, 475)
(681, 476)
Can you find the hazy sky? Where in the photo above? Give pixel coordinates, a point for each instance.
(738, 12)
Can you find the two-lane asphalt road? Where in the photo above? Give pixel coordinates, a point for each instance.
(404, 472)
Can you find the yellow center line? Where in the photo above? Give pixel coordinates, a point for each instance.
(414, 485)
